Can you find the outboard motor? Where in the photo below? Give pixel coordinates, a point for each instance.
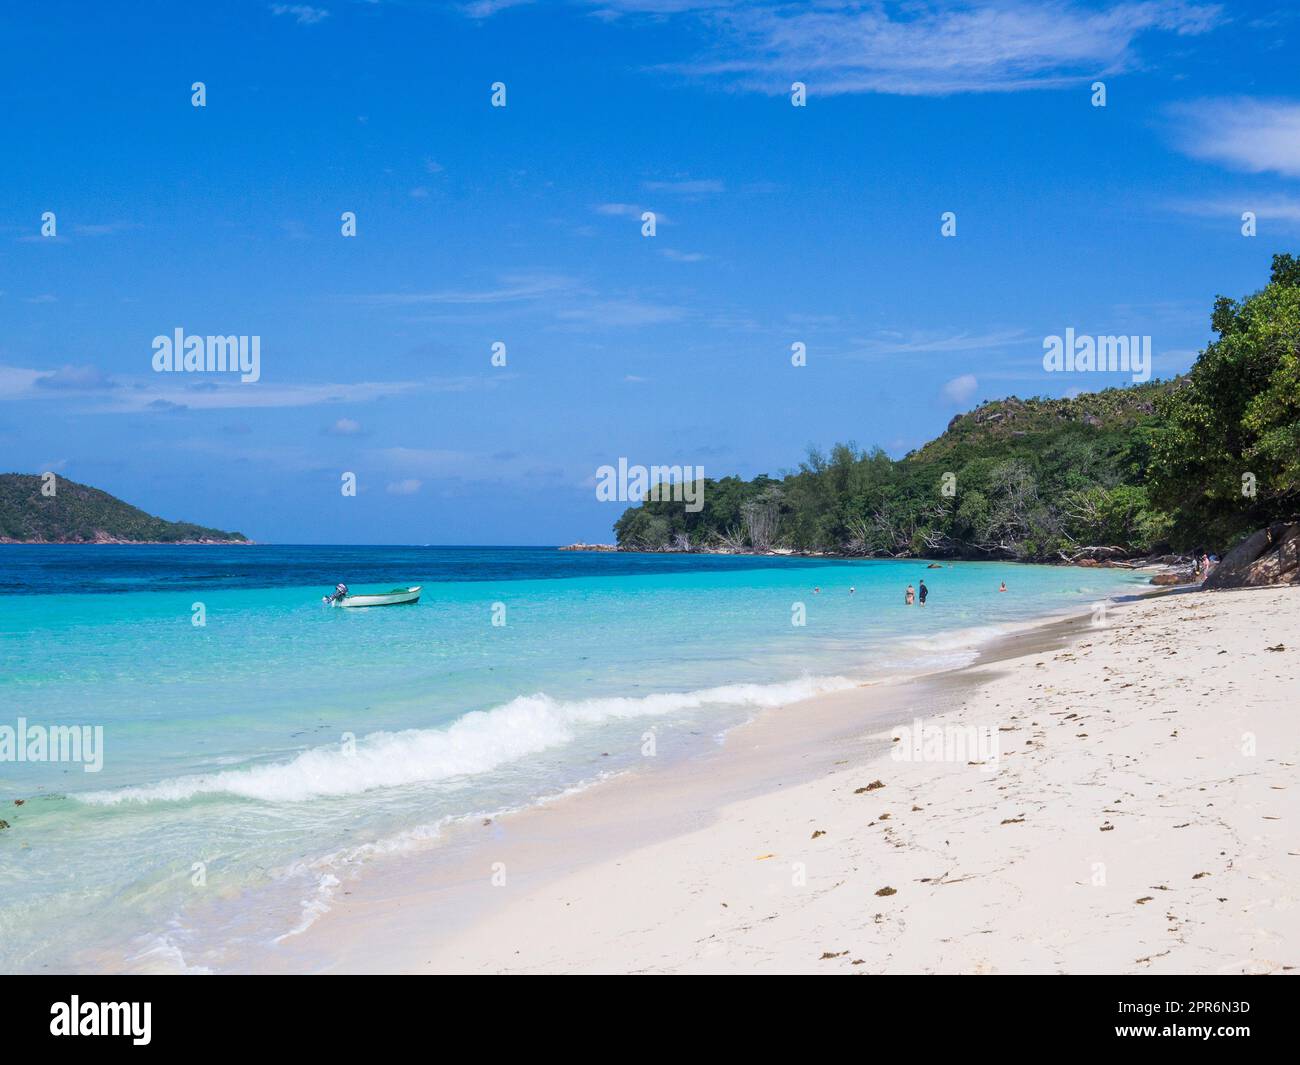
(340, 591)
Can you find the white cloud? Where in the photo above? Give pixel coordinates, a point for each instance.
(620, 313)
(480, 9)
(171, 392)
(101, 229)
(510, 288)
(345, 427)
(1242, 133)
(232, 395)
(1267, 208)
(918, 343)
(304, 14)
(923, 48)
(16, 381)
(407, 487)
(960, 389)
(628, 210)
(75, 379)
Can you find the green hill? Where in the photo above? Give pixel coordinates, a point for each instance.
(1030, 422)
(79, 514)
(1197, 462)
(1014, 478)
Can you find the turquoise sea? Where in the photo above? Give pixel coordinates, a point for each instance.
(252, 764)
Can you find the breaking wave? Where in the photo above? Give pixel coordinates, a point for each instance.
(475, 743)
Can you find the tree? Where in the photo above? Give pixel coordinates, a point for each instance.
(762, 517)
(1227, 458)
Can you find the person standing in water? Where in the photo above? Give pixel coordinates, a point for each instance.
(924, 592)
(911, 595)
(1003, 587)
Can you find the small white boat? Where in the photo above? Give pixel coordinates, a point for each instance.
(389, 598)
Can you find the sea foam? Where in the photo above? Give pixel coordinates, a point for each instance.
(475, 743)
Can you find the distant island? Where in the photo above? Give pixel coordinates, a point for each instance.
(78, 514)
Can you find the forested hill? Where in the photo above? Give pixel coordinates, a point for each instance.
(1005, 422)
(1013, 478)
(78, 514)
(1187, 464)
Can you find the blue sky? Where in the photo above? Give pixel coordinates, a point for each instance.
(521, 224)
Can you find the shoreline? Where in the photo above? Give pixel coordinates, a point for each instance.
(110, 542)
(1165, 562)
(439, 910)
(550, 839)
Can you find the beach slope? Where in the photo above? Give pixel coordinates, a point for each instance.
(1143, 815)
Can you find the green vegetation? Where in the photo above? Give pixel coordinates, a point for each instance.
(1233, 427)
(1028, 479)
(77, 513)
(1123, 472)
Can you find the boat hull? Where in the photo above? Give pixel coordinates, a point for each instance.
(397, 597)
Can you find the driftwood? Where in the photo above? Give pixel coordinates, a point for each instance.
(1094, 553)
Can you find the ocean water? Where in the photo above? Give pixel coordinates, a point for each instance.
(253, 764)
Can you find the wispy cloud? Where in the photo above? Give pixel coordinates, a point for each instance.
(923, 48)
(1269, 207)
(303, 14)
(691, 189)
(620, 313)
(165, 392)
(75, 379)
(234, 395)
(628, 210)
(1257, 136)
(570, 304)
(16, 382)
(924, 343)
(101, 229)
(454, 470)
(431, 462)
(481, 9)
(509, 288)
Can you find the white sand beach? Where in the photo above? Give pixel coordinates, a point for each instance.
(1142, 814)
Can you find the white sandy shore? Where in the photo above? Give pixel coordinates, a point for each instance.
(1143, 816)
